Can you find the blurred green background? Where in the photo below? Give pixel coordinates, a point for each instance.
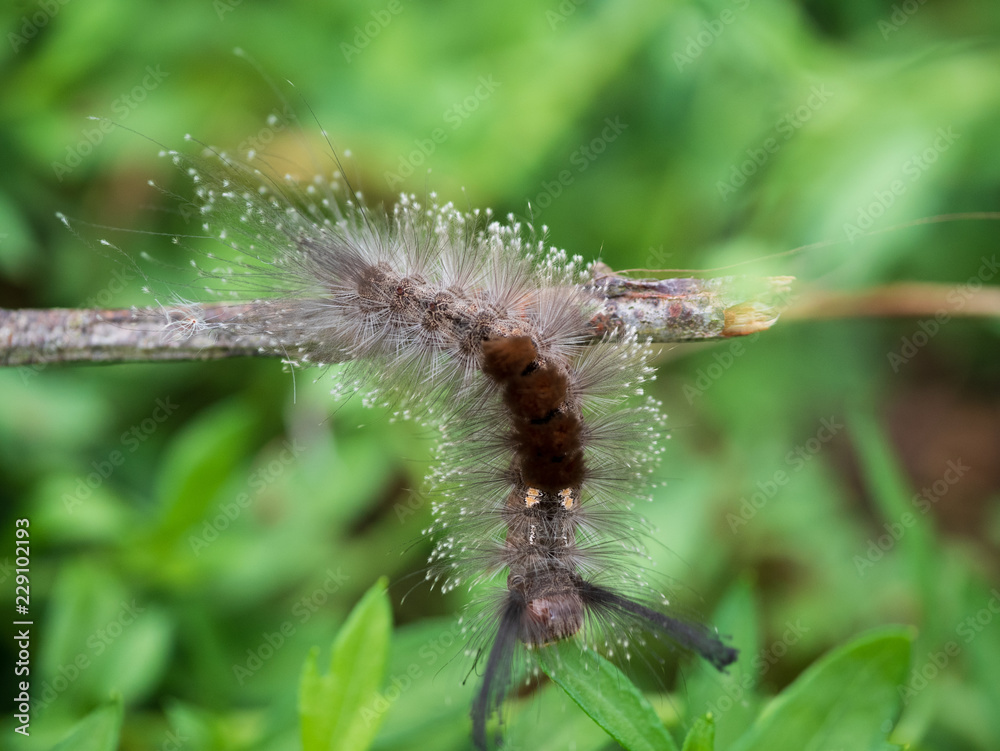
(196, 529)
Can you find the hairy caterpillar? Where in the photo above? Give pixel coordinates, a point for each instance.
(475, 325)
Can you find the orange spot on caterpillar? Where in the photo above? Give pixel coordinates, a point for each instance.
(469, 320)
(567, 497)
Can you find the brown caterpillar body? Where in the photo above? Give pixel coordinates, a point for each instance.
(477, 322)
(548, 470)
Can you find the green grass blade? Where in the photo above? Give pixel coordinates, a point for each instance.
(702, 735)
(607, 696)
(731, 698)
(98, 731)
(338, 710)
(847, 699)
(904, 512)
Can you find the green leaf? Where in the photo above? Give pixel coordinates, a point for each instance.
(199, 462)
(847, 699)
(905, 523)
(548, 719)
(607, 696)
(16, 242)
(731, 697)
(432, 711)
(135, 661)
(340, 710)
(702, 735)
(98, 731)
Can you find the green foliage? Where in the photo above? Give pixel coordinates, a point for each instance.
(847, 699)
(825, 480)
(701, 736)
(338, 708)
(98, 731)
(607, 696)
